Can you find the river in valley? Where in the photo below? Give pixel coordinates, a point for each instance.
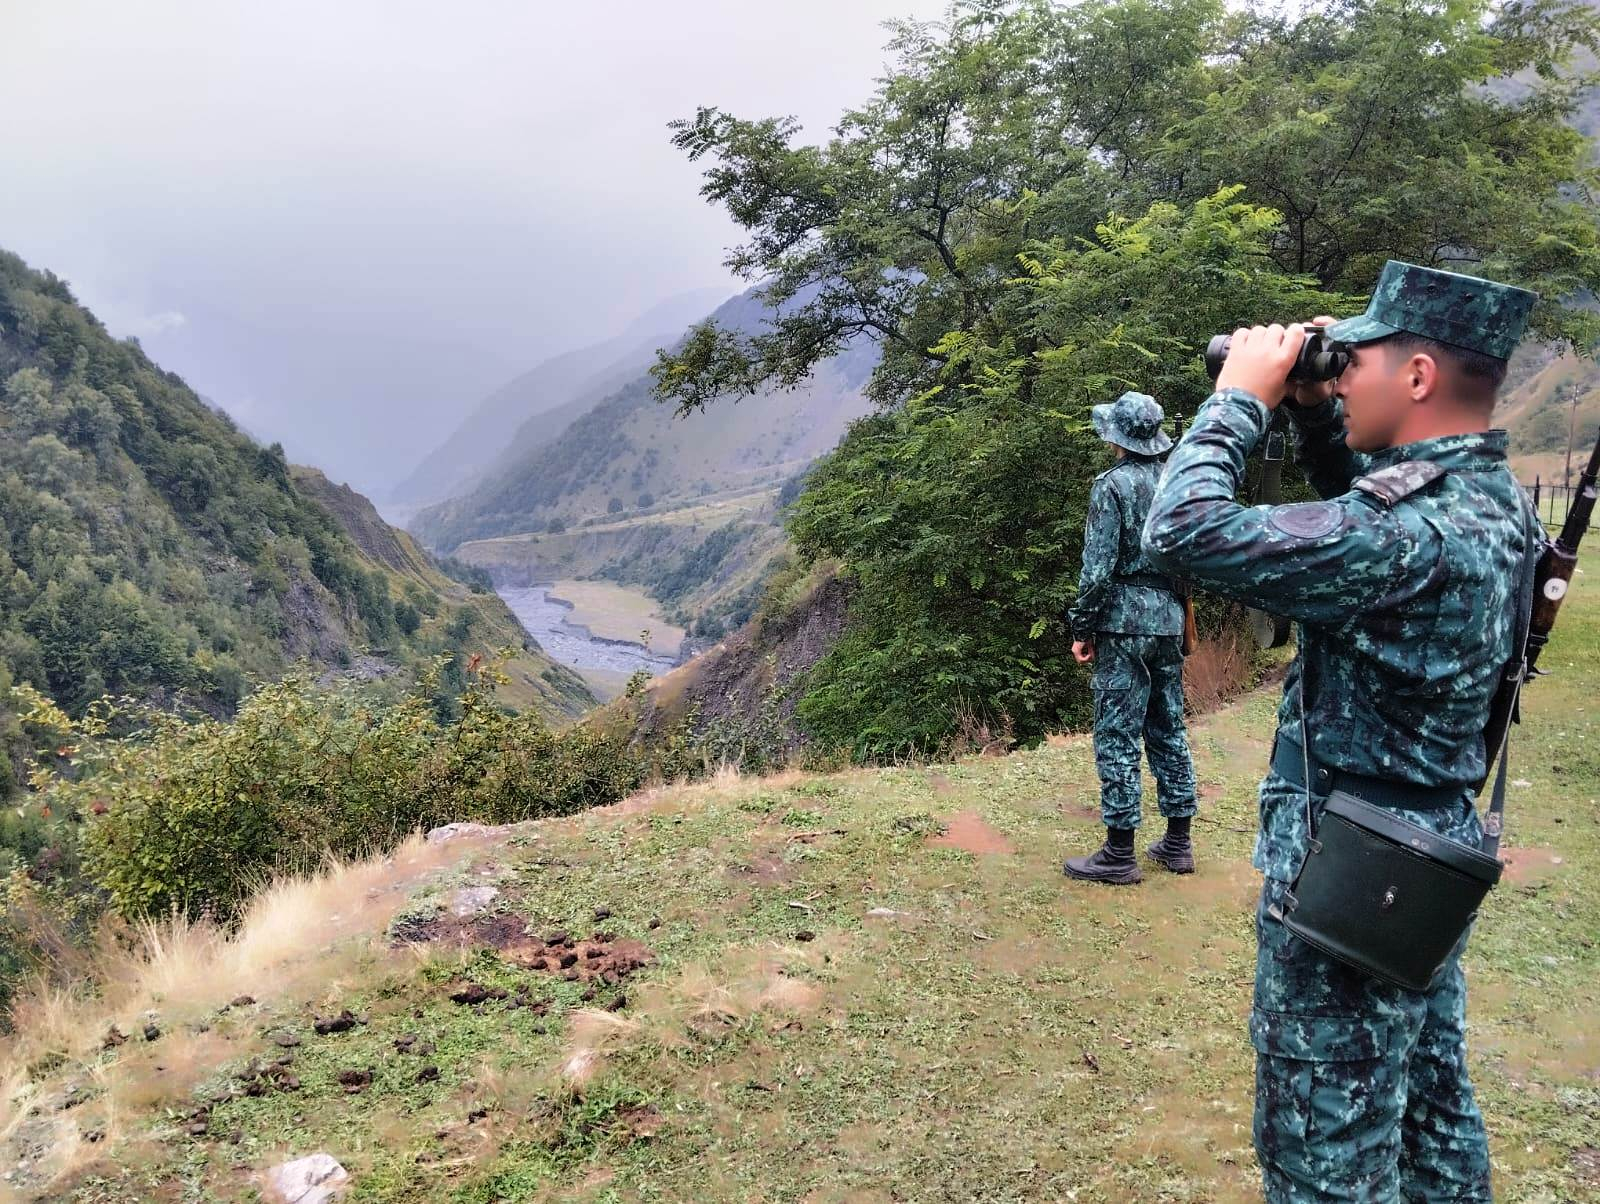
(560, 631)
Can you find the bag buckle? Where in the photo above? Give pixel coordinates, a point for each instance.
(1278, 911)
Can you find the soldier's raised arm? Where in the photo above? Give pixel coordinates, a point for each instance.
(1319, 562)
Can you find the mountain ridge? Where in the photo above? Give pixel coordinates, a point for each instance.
(492, 428)
(630, 454)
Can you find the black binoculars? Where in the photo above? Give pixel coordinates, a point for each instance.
(1320, 358)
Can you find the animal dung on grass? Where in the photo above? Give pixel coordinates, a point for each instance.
(343, 1022)
(474, 993)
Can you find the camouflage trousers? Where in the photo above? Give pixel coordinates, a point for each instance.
(1362, 1091)
(1138, 698)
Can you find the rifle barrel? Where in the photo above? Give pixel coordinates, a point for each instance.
(1591, 473)
(1583, 503)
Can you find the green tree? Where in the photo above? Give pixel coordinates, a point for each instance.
(1389, 129)
(960, 514)
(906, 225)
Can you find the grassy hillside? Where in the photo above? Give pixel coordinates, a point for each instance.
(1539, 413)
(867, 986)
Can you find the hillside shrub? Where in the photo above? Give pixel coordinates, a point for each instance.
(191, 815)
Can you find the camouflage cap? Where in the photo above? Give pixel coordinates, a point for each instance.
(1132, 421)
(1463, 311)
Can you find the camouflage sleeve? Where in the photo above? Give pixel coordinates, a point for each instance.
(1318, 562)
(1102, 536)
(1320, 450)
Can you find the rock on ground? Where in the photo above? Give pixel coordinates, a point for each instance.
(310, 1180)
(454, 831)
(470, 900)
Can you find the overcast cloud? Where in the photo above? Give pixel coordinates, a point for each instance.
(345, 222)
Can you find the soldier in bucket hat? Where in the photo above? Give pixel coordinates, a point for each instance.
(1128, 620)
(1402, 580)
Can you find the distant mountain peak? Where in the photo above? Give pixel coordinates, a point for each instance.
(677, 313)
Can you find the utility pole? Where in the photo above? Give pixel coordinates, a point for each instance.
(1572, 431)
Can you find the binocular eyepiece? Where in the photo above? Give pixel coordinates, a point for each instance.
(1320, 358)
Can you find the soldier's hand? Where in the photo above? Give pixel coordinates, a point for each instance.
(1083, 651)
(1312, 393)
(1259, 360)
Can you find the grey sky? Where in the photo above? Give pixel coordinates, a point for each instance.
(345, 221)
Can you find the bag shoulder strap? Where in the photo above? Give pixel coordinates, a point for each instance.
(1505, 709)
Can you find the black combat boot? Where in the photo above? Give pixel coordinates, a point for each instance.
(1174, 850)
(1114, 863)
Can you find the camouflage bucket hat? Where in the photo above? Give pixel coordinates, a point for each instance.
(1463, 311)
(1132, 421)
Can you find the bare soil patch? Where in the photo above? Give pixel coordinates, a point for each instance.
(1080, 808)
(1529, 864)
(769, 869)
(969, 831)
(1587, 1163)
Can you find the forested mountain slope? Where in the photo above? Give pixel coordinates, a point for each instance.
(148, 547)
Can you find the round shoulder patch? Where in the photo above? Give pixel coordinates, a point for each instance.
(1307, 520)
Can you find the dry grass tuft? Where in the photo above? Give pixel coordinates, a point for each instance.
(182, 968)
(726, 783)
(296, 931)
(165, 1073)
(594, 1034)
(1217, 671)
(17, 1094)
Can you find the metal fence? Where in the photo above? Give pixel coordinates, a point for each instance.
(1552, 500)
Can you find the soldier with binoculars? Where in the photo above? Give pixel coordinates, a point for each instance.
(1405, 581)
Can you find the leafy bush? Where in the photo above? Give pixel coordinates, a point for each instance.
(960, 514)
(474, 577)
(192, 815)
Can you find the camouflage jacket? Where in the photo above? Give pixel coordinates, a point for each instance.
(1108, 601)
(1403, 581)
